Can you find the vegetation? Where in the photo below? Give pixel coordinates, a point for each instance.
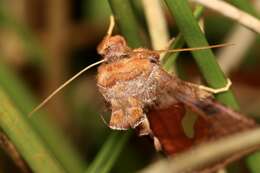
(40, 49)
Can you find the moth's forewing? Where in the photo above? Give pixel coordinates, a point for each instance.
(214, 120)
(223, 120)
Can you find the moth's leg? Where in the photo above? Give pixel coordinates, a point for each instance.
(119, 119)
(144, 128)
(217, 90)
(157, 144)
(135, 112)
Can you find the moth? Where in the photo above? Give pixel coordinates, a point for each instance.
(143, 96)
(133, 82)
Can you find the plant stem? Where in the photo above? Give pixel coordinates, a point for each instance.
(157, 24)
(205, 59)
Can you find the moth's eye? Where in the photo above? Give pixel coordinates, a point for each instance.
(153, 59)
(109, 47)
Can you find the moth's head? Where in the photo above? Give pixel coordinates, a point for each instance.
(112, 48)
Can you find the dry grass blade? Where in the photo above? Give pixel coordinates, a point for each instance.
(229, 59)
(238, 144)
(233, 13)
(157, 23)
(244, 38)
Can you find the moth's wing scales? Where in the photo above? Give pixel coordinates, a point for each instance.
(166, 116)
(223, 120)
(118, 120)
(214, 120)
(166, 126)
(125, 113)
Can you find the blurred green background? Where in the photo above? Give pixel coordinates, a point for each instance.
(43, 43)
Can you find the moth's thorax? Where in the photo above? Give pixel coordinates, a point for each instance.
(122, 70)
(113, 48)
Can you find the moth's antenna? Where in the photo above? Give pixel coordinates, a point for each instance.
(63, 85)
(111, 25)
(195, 48)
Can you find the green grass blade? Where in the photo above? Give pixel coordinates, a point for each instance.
(205, 59)
(110, 151)
(52, 136)
(169, 59)
(30, 146)
(110, 162)
(126, 20)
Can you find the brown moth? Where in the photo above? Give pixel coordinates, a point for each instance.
(143, 96)
(132, 82)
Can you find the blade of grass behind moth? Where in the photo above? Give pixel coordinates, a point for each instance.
(26, 140)
(126, 20)
(252, 160)
(52, 136)
(169, 59)
(129, 28)
(108, 153)
(113, 157)
(205, 59)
